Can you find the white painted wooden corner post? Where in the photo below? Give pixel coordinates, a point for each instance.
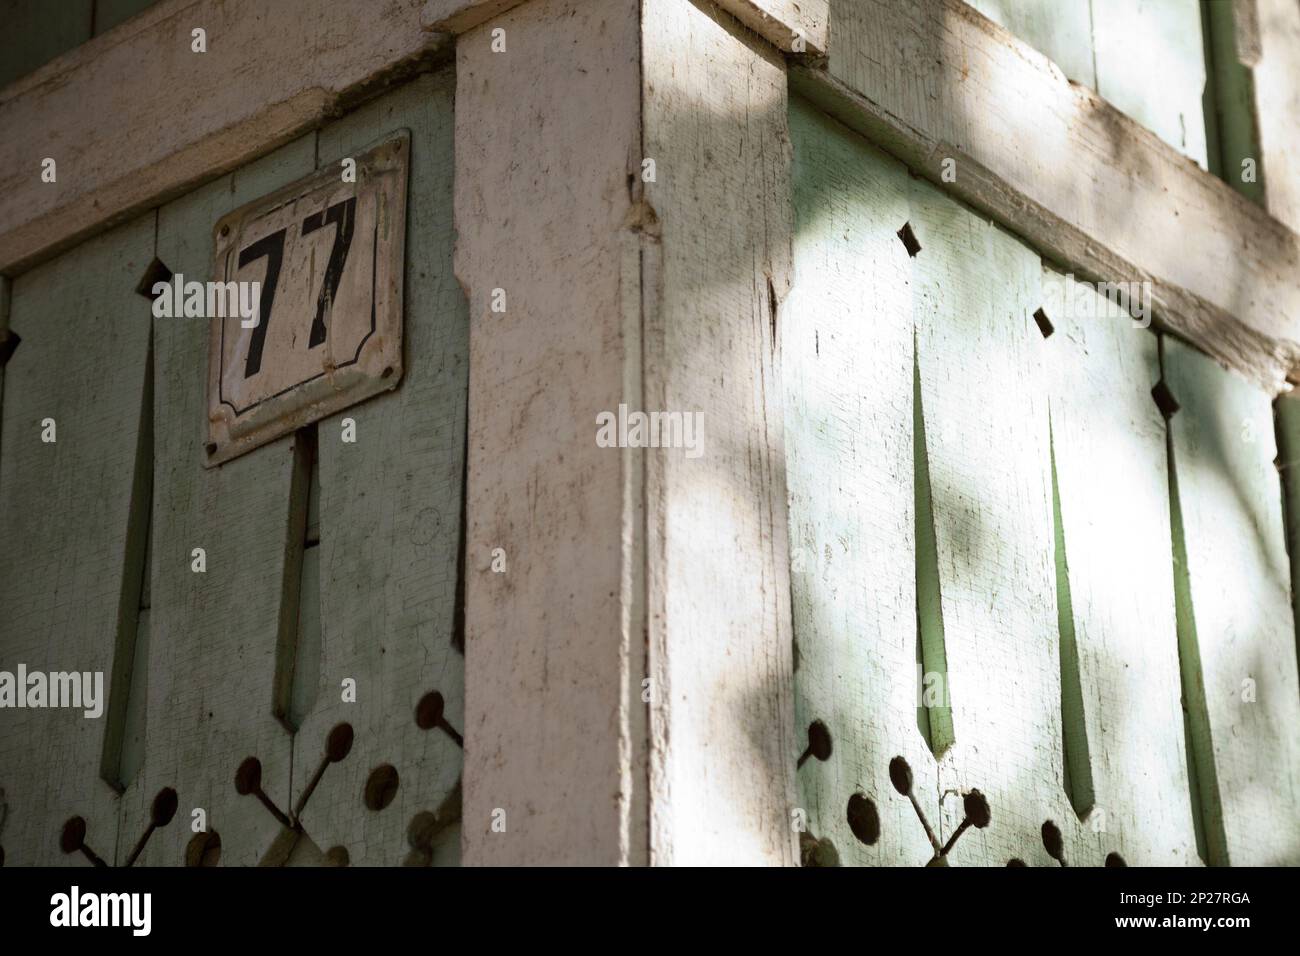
(623, 219)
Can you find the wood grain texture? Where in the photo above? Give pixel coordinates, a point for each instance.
(928, 80)
(64, 513)
(1223, 450)
(1277, 104)
(1151, 66)
(1060, 31)
(974, 289)
(783, 22)
(1000, 405)
(718, 589)
(390, 511)
(1109, 449)
(134, 118)
(547, 149)
(847, 374)
(213, 648)
(458, 16)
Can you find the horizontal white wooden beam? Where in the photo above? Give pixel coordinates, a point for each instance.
(934, 80)
(135, 116)
(794, 26)
(458, 16)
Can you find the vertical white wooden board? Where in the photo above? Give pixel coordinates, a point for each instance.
(1223, 450)
(213, 647)
(846, 372)
(1151, 65)
(980, 353)
(715, 120)
(1060, 29)
(390, 516)
(547, 155)
(64, 510)
(1109, 440)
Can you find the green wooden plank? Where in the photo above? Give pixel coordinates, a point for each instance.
(1229, 103)
(389, 522)
(1150, 62)
(1114, 546)
(64, 514)
(986, 428)
(212, 660)
(1060, 30)
(1286, 413)
(36, 31)
(1239, 637)
(846, 348)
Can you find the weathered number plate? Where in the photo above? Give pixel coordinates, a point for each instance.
(328, 255)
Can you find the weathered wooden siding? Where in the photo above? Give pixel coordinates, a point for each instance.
(1027, 555)
(200, 666)
(389, 529)
(1145, 56)
(65, 507)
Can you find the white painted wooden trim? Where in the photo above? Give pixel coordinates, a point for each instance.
(723, 747)
(547, 152)
(1276, 75)
(780, 22)
(458, 16)
(134, 118)
(930, 80)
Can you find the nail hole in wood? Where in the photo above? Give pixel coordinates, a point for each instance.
(977, 809)
(210, 448)
(74, 835)
(1165, 400)
(337, 856)
(864, 821)
(819, 743)
(428, 712)
(1053, 842)
(204, 849)
(1044, 323)
(154, 273)
(381, 787)
(815, 852)
(339, 743)
(910, 242)
(164, 807)
(248, 777)
(900, 775)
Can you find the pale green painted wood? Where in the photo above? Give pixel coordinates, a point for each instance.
(213, 649)
(36, 31)
(1238, 576)
(855, 479)
(1286, 413)
(1150, 63)
(1230, 102)
(846, 368)
(981, 366)
(1109, 447)
(64, 514)
(1060, 29)
(389, 520)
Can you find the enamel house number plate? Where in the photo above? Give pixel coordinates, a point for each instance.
(327, 255)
